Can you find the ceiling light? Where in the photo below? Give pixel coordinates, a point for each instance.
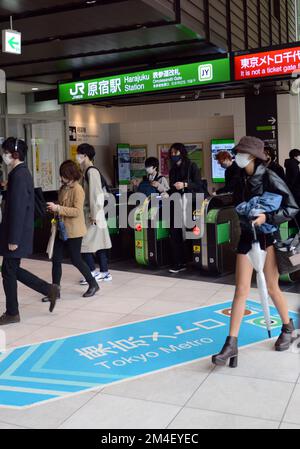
(90, 2)
(34, 88)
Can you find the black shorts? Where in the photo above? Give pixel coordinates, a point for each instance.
(246, 240)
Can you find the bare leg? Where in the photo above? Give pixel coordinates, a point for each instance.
(244, 272)
(272, 278)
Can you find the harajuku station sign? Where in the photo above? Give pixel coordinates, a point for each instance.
(177, 77)
(267, 64)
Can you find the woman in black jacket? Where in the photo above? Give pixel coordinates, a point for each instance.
(257, 179)
(185, 177)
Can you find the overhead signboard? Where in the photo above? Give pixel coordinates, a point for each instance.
(155, 80)
(11, 42)
(267, 64)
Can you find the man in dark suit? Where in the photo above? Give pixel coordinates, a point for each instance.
(16, 231)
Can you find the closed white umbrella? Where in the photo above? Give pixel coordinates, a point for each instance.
(257, 257)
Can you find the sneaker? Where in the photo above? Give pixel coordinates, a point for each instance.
(105, 277)
(95, 275)
(9, 319)
(177, 269)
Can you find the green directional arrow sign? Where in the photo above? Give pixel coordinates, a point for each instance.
(11, 42)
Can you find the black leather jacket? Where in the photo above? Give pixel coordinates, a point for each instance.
(265, 180)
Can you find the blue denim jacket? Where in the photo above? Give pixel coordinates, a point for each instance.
(268, 202)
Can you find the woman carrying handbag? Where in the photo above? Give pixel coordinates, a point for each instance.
(70, 226)
(256, 180)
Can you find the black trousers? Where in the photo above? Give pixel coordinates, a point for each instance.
(74, 247)
(11, 273)
(176, 239)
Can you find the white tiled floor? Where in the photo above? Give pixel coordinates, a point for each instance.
(263, 392)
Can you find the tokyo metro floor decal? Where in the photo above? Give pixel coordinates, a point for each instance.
(55, 369)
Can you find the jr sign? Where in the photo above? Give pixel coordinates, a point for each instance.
(188, 75)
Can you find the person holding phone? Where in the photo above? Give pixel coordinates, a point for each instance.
(70, 210)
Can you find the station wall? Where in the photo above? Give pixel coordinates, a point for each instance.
(150, 125)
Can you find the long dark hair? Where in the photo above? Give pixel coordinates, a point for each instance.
(179, 147)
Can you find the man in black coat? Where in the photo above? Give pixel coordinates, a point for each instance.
(16, 231)
(293, 173)
(232, 172)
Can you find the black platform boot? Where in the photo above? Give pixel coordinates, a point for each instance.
(229, 351)
(285, 339)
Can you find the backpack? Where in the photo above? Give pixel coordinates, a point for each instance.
(105, 186)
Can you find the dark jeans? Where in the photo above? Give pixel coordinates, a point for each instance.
(102, 258)
(73, 246)
(11, 273)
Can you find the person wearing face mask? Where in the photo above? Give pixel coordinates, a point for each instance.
(70, 210)
(272, 163)
(292, 167)
(256, 180)
(16, 232)
(153, 182)
(97, 240)
(232, 172)
(185, 177)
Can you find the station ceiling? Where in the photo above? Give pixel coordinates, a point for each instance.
(64, 39)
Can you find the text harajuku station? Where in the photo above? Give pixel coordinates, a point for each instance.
(187, 75)
(262, 64)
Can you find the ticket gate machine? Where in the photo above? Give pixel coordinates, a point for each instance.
(152, 243)
(215, 252)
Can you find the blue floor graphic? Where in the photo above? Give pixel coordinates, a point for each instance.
(55, 369)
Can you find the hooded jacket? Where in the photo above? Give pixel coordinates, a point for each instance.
(265, 180)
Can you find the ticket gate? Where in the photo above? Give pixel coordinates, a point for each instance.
(288, 230)
(152, 243)
(122, 239)
(215, 252)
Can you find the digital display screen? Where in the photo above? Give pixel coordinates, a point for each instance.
(217, 145)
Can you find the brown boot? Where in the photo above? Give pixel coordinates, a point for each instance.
(285, 339)
(9, 319)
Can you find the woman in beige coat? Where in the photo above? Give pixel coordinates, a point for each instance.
(70, 210)
(97, 240)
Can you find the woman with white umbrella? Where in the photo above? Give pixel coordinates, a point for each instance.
(256, 179)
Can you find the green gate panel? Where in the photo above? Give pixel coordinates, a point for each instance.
(162, 232)
(223, 233)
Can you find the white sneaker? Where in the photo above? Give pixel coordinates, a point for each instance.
(105, 277)
(95, 275)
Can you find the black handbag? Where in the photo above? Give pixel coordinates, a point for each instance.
(288, 255)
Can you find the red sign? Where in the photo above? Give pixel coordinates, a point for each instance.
(267, 64)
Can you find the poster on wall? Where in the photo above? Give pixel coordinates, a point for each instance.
(138, 155)
(124, 163)
(77, 135)
(195, 154)
(47, 151)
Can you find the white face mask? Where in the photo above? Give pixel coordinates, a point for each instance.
(243, 159)
(7, 158)
(150, 170)
(298, 158)
(80, 158)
